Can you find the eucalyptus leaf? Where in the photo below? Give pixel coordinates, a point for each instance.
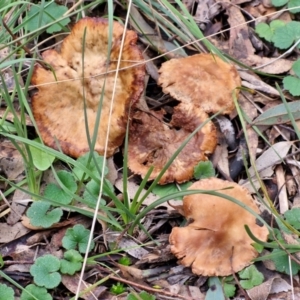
(278, 114)
(215, 290)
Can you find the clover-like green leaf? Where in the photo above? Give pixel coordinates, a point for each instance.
(40, 15)
(84, 160)
(292, 84)
(285, 36)
(296, 67)
(229, 289)
(292, 4)
(41, 159)
(91, 192)
(282, 263)
(61, 194)
(228, 284)
(279, 3)
(77, 237)
(204, 169)
(6, 292)
(40, 214)
(293, 217)
(267, 31)
(33, 292)
(251, 277)
(45, 271)
(167, 189)
(71, 263)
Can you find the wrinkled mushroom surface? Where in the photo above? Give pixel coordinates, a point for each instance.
(204, 79)
(152, 142)
(215, 242)
(58, 106)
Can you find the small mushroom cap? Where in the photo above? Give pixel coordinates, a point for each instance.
(215, 243)
(152, 142)
(204, 79)
(58, 106)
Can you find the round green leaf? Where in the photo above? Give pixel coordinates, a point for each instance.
(61, 194)
(40, 214)
(294, 3)
(41, 159)
(36, 292)
(293, 217)
(296, 67)
(285, 36)
(279, 3)
(282, 263)
(90, 164)
(44, 271)
(251, 277)
(292, 84)
(77, 237)
(167, 189)
(204, 169)
(264, 31)
(40, 15)
(71, 263)
(6, 292)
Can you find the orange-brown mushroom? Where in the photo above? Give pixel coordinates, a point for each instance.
(204, 79)
(152, 142)
(215, 243)
(82, 70)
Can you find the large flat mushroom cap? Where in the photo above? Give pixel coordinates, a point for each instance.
(204, 79)
(58, 106)
(215, 242)
(152, 142)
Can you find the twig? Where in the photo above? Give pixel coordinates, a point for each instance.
(235, 277)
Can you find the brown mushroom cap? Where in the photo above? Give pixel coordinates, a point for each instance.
(58, 107)
(215, 242)
(204, 79)
(152, 142)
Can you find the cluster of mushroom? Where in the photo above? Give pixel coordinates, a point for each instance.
(82, 79)
(203, 84)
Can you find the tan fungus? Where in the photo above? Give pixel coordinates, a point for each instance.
(58, 107)
(152, 142)
(215, 243)
(204, 79)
